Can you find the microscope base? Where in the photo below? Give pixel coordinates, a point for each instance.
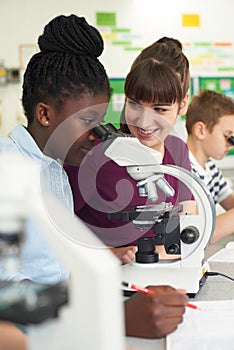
(190, 278)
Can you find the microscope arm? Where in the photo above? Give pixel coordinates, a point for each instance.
(196, 230)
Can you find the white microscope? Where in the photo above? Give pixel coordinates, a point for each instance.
(84, 313)
(188, 271)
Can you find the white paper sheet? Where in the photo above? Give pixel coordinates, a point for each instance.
(223, 255)
(210, 328)
(230, 245)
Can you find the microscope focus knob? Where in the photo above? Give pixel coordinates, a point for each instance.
(189, 234)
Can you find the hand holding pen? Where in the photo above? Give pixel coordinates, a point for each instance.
(156, 314)
(150, 291)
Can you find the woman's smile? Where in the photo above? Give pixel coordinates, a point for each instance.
(147, 133)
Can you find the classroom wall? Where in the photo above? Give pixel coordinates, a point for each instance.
(144, 21)
(22, 21)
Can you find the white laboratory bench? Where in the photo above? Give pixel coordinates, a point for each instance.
(215, 288)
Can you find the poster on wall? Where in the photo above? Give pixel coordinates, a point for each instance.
(210, 58)
(224, 85)
(116, 102)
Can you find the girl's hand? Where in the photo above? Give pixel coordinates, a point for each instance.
(125, 254)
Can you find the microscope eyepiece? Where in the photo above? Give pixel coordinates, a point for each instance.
(105, 131)
(231, 140)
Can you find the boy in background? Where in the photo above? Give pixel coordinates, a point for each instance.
(210, 124)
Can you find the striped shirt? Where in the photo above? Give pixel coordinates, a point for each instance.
(212, 178)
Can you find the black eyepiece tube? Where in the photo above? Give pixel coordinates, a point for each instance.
(106, 131)
(100, 130)
(231, 140)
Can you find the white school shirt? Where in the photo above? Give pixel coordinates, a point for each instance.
(212, 178)
(38, 261)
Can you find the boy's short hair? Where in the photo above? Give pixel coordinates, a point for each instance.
(208, 107)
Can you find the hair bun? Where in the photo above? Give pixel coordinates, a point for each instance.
(71, 34)
(171, 42)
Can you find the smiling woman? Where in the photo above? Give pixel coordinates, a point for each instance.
(154, 98)
(152, 104)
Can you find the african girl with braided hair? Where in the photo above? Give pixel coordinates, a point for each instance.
(65, 94)
(62, 79)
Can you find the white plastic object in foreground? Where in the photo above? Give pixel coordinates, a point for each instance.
(93, 319)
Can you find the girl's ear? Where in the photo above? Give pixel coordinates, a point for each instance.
(43, 114)
(184, 105)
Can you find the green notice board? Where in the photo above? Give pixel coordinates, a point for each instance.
(220, 84)
(116, 102)
(191, 87)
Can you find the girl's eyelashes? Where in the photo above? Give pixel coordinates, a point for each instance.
(227, 135)
(134, 105)
(138, 106)
(160, 109)
(88, 121)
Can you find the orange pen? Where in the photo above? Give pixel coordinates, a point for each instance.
(150, 291)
